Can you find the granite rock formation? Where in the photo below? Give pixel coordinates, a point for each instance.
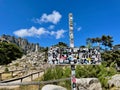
(88, 84)
(53, 87)
(21, 42)
(114, 82)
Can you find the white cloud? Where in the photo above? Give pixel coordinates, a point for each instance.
(58, 34)
(52, 33)
(34, 32)
(30, 32)
(51, 27)
(53, 18)
(79, 28)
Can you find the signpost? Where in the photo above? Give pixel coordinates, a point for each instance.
(72, 56)
(73, 79)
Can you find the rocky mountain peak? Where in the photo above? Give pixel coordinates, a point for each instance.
(21, 42)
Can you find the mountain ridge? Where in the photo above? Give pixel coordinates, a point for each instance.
(21, 42)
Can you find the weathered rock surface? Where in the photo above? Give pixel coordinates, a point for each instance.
(88, 84)
(22, 43)
(32, 61)
(82, 84)
(114, 82)
(53, 87)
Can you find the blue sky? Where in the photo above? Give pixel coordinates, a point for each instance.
(46, 21)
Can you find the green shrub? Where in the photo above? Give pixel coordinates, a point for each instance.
(6, 69)
(101, 72)
(9, 52)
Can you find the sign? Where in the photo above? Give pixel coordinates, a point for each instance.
(88, 56)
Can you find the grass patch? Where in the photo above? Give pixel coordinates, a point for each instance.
(6, 76)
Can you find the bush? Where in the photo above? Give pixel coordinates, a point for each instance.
(9, 52)
(6, 69)
(101, 72)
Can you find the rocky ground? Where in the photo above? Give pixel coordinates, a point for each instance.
(33, 61)
(89, 84)
(114, 82)
(81, 84)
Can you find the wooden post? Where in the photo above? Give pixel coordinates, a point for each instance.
(38, 86)
(12, 74)
(0, 76)
(31, 77)
(21, 79)
(38, 74)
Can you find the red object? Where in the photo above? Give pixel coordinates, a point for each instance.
(73, 79)
(63, 57)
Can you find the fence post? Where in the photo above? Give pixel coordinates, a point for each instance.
(39, 86)
(38, 74)
(21, 79)
(31, 77)
(12, 74)
(0, 76)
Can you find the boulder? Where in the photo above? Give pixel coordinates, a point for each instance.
(88, 84)
(53, 87)
(114, 81)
